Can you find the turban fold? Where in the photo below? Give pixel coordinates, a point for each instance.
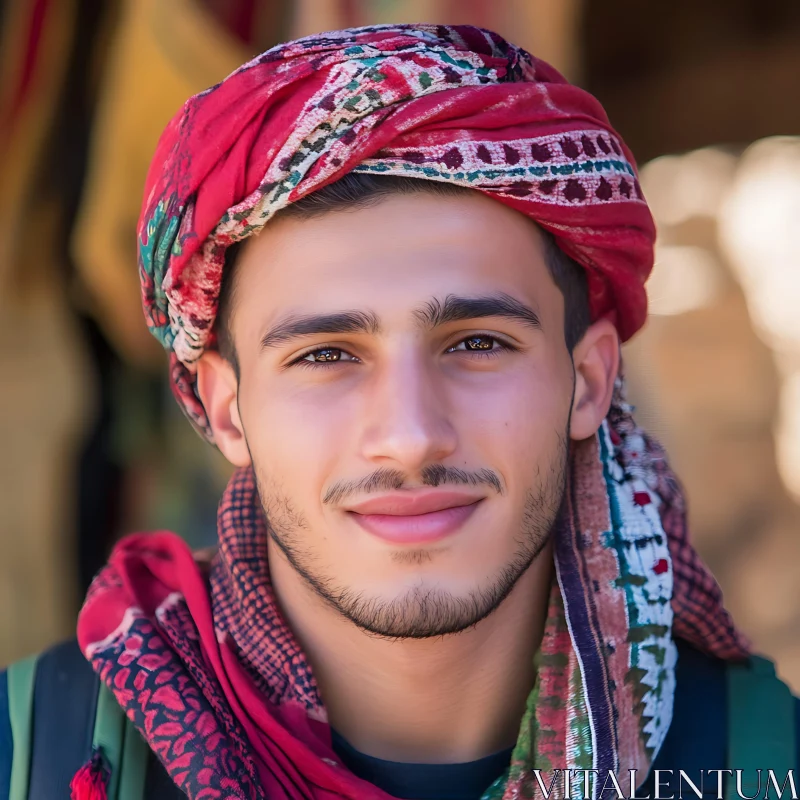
(456, 104)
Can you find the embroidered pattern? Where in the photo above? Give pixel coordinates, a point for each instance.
(561, 169)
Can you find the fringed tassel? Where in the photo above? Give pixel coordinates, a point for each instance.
(91, 780)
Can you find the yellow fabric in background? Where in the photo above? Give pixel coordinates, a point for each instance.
(546, 28)
(161, 53)
(44, 396)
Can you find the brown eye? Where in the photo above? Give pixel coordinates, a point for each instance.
(483, 345)
(325, 355)
(479, 343)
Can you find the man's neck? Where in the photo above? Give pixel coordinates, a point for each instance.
(449, 699)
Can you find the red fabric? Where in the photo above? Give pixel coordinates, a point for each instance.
(233, 739)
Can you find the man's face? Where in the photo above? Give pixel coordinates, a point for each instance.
(370, 371)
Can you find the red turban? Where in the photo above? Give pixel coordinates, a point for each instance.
(456, 104)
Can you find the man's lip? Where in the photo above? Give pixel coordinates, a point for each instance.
(413, 502)
(416, 529)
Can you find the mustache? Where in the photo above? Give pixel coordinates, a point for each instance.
(386, 479)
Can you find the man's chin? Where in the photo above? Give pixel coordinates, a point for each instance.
(422, 613)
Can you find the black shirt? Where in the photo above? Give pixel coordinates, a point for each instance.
(425, 781)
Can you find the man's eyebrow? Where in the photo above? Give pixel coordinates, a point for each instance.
(432, 314)
(293, 327)
(455, 309)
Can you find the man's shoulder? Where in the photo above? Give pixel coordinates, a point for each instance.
(58, 688)
(705, 709)
(705, 692)
(53, 711)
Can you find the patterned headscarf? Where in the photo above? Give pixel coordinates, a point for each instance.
(455, 104)
(198, 653)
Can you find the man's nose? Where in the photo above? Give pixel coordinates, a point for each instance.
(406, 415)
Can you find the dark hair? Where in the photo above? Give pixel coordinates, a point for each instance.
(356, 190)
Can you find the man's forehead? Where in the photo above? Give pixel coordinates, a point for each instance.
(403, 252)
(397, 225)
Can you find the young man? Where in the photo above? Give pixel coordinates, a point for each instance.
(392, 267)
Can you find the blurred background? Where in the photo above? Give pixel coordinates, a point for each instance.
(92, 445)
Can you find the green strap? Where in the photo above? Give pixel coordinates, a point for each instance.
(123, 747)
(109, 729)
(133, 771)
(761, 727)
(21, 677)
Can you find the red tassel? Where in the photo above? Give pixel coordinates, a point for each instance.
(91, 780)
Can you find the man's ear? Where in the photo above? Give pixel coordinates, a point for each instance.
(218, 386)
(596, 358)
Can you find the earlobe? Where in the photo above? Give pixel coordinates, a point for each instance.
(596, 358)
(217, 386)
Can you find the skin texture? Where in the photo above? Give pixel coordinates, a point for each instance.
(423, 653)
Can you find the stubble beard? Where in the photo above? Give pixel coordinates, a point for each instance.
(422, 612)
